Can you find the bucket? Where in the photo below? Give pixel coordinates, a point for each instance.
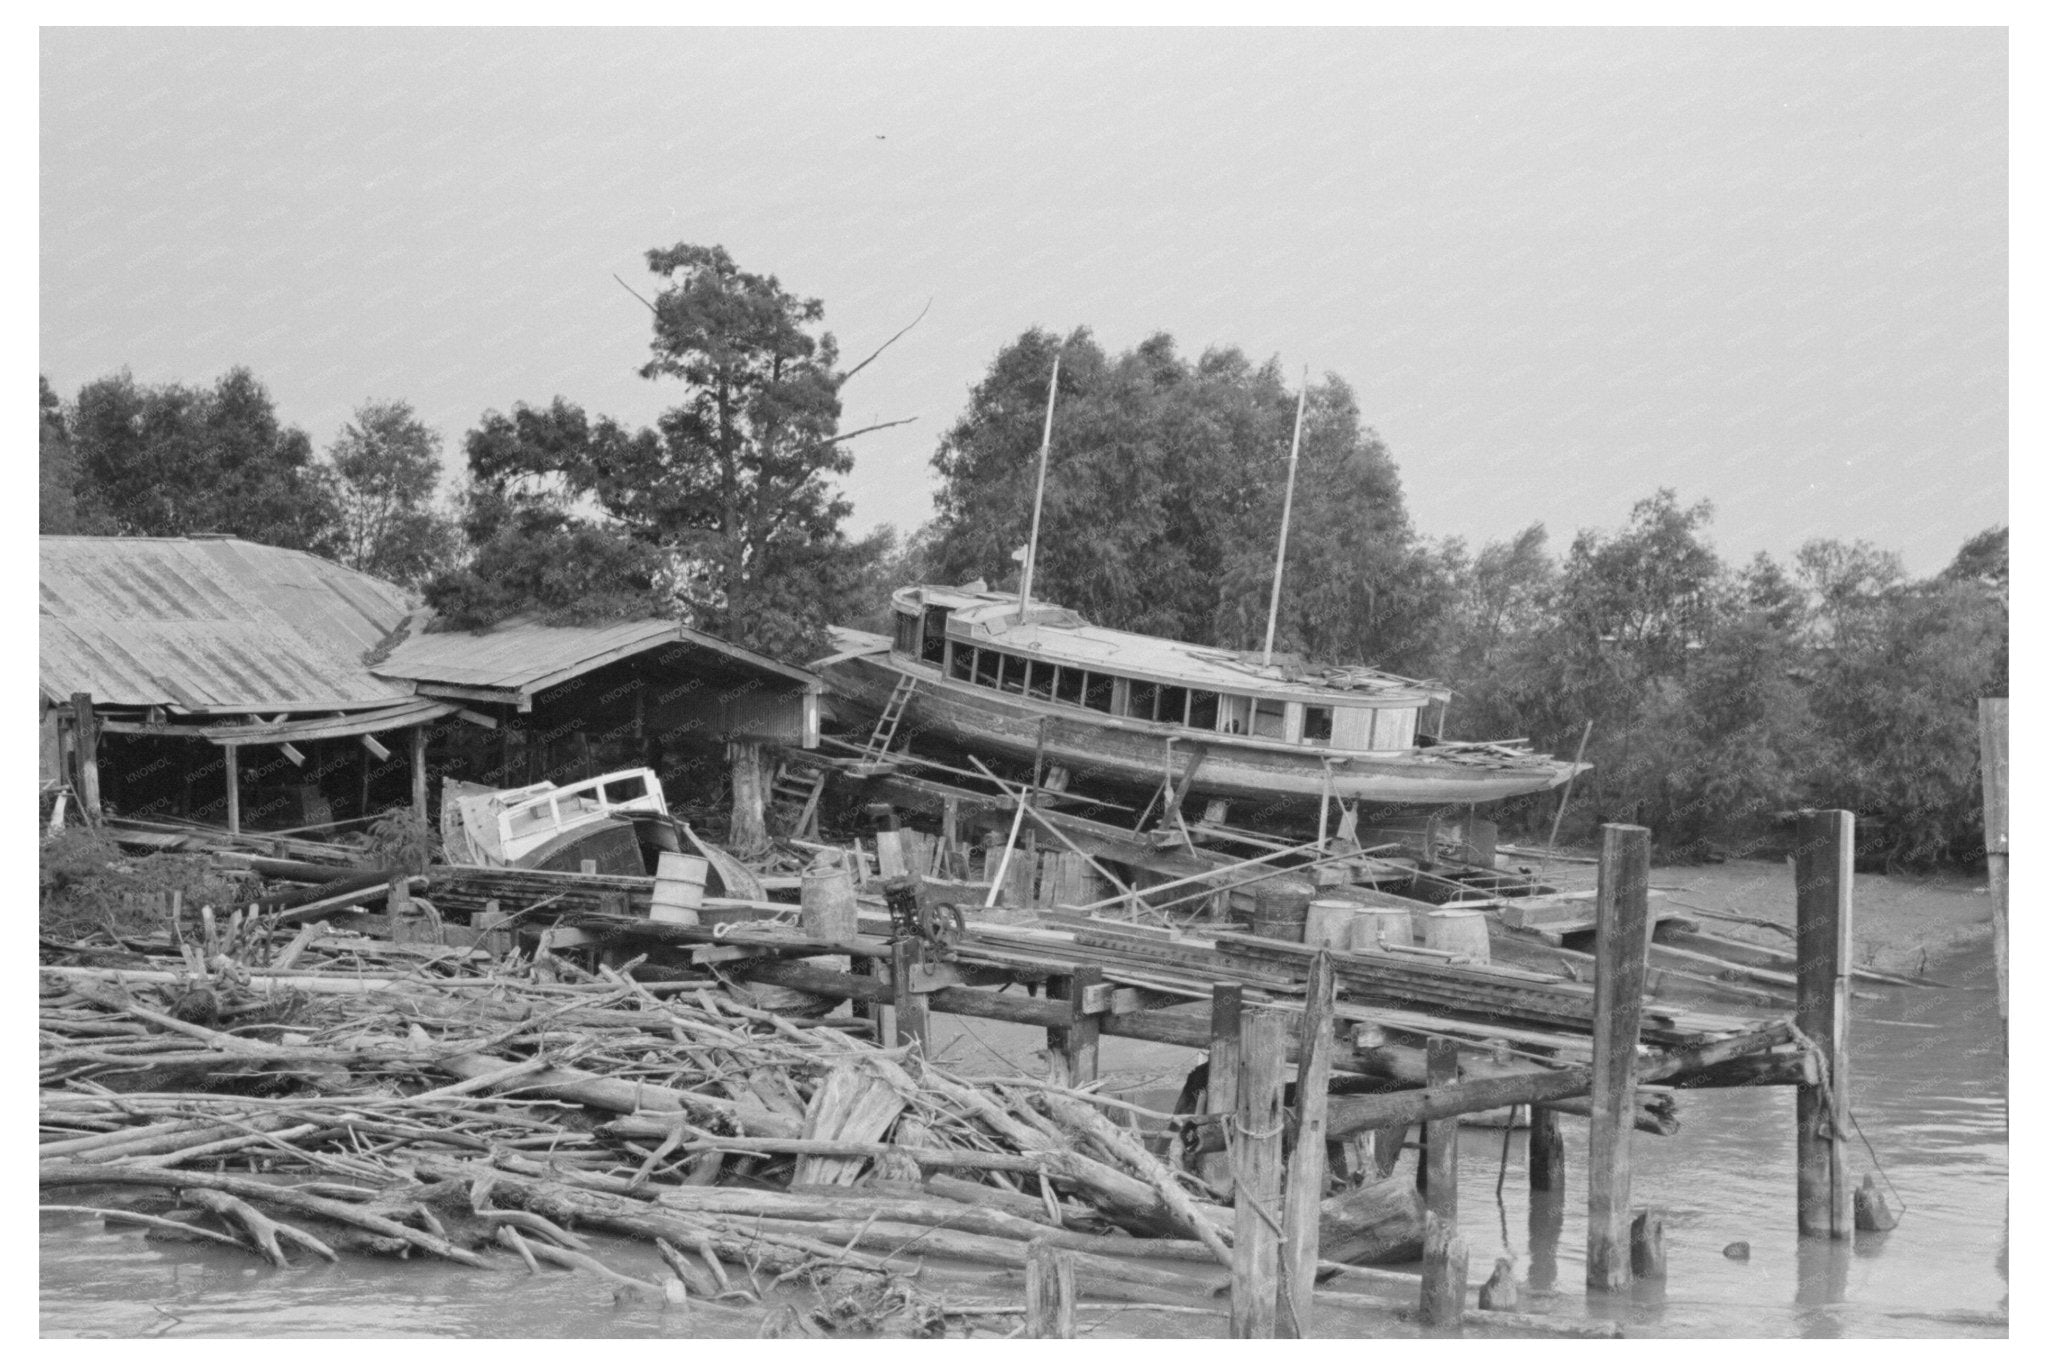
(1379, 925)
(1280, 908)
(830, 911)
(1462, 932)
(679, 888)
(1329, 924)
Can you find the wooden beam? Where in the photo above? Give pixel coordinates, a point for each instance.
(1301, 1224)
(1226, 1012)
(1440, 1138)
(1825, 870)
(418, 744)
(1621, 943)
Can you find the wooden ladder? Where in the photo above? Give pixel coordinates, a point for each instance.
(891, 717)
(802, 788)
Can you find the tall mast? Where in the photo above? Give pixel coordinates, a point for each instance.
(1286, 514)
(1052, 392)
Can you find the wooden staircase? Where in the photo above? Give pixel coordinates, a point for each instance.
(891, 717)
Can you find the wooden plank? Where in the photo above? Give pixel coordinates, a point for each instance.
(85, 731)
(1824, 868)
(1255, 1272)
(1622, 946)
(1301, 1224)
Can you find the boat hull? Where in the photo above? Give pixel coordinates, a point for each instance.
(1136, 754)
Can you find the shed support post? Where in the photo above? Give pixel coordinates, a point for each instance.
(749, 831)
(86, 741)
(418, 736)
(230, 759)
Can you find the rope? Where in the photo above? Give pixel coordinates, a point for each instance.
(1835, 1111)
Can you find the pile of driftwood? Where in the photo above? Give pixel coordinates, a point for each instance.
(349, 1095)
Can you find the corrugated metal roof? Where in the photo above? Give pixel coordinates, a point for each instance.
(210, 625)
(521, 655)
(515, 654)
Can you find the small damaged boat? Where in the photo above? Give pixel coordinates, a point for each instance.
(619, 820)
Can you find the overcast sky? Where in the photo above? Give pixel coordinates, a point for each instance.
(1560, 268)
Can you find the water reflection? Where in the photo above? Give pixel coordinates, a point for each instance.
(1823, 1283)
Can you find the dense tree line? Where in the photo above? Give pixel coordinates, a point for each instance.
(1716, 694)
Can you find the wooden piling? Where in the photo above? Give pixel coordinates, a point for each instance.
(911, 1024)
(1992, 741)
(1255, 1268)
(1546, 1151)
(1824, 871)
(1621, 952)
(1226, 1010)
(1646, 1244)
(1048, 1292)
(85, 736)
(1440, 1137)
(1444, 1262)
(1301, 1224)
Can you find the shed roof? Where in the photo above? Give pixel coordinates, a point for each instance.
(521, 657)
(210, 625)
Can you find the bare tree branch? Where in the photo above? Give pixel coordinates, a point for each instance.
(881, 348)
(657, 312)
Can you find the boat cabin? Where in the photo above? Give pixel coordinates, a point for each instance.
(1052, 655)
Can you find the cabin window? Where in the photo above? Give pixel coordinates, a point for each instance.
(1315, 724)
(1038, 682)
(935, 634)
(1234, 715)
(988, 665)
(1202, 710)
(906, 633)
(1144, 699)
(1068, 688)
(1173, 705)
(1099, 693)
(1013, 672)
(963, 662)
(1269, 719)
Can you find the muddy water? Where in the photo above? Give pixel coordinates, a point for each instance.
(1929, 1094)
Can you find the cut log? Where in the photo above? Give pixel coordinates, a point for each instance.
(1376, 1224)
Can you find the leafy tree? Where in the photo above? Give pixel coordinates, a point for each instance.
(728, 505)
(57, 473)
(168, 460)
(386, 464)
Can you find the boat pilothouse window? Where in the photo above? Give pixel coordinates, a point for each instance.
(1316, 724)
(1068, 686)
(1038, 682)
(1014, 669)
(906, 633)
(1099, 693)
(1143, 700)
(1234, 715)
(1203, 709)
(934, 647)
(1173, 705)
(963, 662)
(988, 665)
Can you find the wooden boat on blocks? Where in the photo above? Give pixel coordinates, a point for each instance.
(983, 671)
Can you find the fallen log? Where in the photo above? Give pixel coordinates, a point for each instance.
(621, 1097)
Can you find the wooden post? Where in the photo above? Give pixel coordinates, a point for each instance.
(748, 833)
(1546, 1151)
(85, 729)
(229, 756)
(1301, 1225)
(1255, 1268)
(1824, 869)
(1621, 953)
(1226, 1010)
(1992, 740)
(1646, 1244)
(910, 1009)
(1048, 1292)
(1444, 1263)
(1075, 1050)
(1440, 1136)
(418, 736)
